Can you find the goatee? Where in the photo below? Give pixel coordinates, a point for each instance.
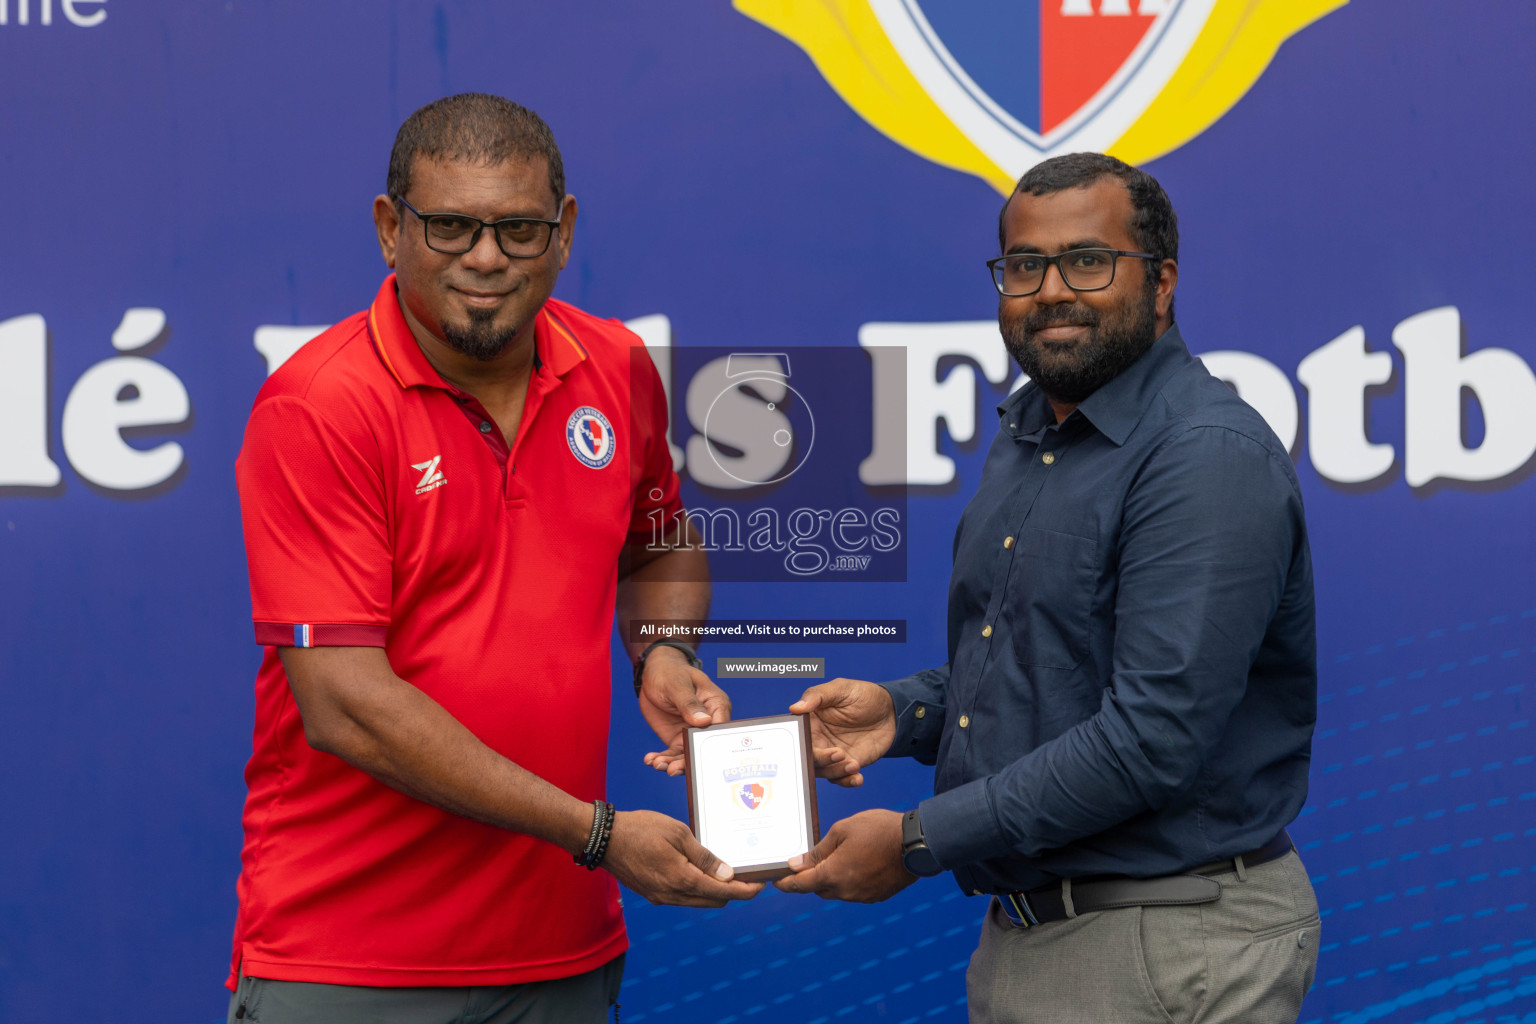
(480, 339)
(1071, 371)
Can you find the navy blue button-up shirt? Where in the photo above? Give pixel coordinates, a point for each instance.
(1132, 676)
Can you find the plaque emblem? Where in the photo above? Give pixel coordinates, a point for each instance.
(754, 794)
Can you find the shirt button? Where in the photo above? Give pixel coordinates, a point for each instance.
(1048, 458)
(1007, 542)
(965, 720)
(1301, 939)
(920, 712)
(986, 630)
(485, 426)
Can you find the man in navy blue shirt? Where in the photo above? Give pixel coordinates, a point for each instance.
(1123, 728)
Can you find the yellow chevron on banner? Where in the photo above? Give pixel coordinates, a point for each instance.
(851, 49)
(1233, 49)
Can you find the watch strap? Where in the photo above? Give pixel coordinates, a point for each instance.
(911, 829)
(916, 857)
(693, 658)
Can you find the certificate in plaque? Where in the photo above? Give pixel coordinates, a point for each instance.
(752, 793)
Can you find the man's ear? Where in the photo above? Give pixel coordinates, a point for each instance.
(1167, 281)
(567, 228)
(386, 221)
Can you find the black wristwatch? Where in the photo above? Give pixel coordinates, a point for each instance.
(915, 855)
(693, 659)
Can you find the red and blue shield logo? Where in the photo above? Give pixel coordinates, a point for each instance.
(992, 87)
(590, 437)
(752, 794)
(1043, 61)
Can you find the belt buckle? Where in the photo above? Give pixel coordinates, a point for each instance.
(1016, 906)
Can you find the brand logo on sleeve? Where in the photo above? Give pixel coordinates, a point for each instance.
(590, 436)
(431, 476)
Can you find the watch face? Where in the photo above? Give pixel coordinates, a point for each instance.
(915, 855)
(920, 861)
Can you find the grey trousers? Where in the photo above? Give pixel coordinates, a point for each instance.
(1248, 957)
(583, 999)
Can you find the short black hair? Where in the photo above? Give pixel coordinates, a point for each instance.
(1154, 225)
(476, 127)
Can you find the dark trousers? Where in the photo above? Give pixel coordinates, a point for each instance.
(583, 999)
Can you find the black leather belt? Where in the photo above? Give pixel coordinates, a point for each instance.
(1052, 902)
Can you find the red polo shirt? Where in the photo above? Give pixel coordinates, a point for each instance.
(383, 508)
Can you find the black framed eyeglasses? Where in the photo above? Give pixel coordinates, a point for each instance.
(1084, 270)
(521, 238)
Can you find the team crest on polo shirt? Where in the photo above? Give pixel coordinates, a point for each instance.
(590, 436)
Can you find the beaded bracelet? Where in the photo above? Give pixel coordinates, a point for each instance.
(602, 840)
(597, 839)
(597, 822)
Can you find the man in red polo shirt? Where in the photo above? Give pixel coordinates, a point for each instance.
(443, 497)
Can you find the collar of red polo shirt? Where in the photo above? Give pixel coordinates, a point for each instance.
(555, 344)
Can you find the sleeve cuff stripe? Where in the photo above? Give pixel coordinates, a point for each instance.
(319, 634)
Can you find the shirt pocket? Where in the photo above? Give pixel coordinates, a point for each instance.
(1055, 579)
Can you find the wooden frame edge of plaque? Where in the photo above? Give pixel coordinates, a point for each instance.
(776, 869)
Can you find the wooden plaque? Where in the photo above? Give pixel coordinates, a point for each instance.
(752, 793)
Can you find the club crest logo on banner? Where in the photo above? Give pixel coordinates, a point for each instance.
(992, 89)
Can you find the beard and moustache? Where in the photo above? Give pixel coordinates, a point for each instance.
(1071, 371)
(479, 339)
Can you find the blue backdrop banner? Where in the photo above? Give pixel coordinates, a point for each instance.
(791, 202)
